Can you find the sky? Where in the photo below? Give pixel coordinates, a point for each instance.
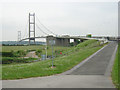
(61, 17)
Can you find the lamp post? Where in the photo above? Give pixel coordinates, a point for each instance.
(52, 42)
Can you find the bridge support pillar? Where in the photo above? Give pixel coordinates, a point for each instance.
(76, 41)
(58, 41)
(62, 42)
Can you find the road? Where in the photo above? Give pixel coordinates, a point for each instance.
(94, 72)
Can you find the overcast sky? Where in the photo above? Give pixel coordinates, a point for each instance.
(62, 18)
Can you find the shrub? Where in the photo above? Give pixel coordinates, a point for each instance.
(31, 50)
(7, 54)
(38, 52)
(71, 44)
(19, 53)
(89, 35)
(47, 47)
(22, 52)
(9, 60)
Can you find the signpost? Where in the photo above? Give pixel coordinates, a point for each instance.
(43, 57)
(52, 42)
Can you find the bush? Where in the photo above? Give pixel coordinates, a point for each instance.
(89, 35)
(39, 52)
(19, 53)
(9, 60)
(71, 44)
(7, 54)
(31, 50)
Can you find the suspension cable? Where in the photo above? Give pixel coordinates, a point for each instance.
(41, 30)
(45, 27)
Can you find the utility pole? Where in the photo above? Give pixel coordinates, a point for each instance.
(31, 27)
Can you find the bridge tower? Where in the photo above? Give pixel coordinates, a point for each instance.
(19, 35)
(31, 28)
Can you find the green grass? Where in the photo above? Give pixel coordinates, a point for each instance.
(0, 70)
(43, 68)
(115, 70)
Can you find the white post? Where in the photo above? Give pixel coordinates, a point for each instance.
(52, 55)
(46, 50)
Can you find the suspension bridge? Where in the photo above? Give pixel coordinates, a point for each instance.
(59, 40)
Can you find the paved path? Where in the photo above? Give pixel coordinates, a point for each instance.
(98, 64)
(93, 73)
(61, 81)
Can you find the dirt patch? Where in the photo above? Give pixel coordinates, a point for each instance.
(32, 54)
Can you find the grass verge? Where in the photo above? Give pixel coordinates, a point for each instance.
(43, 68)
(115, 69)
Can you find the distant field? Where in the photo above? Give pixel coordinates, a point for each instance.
(34, 47)
(16, 48)
(43, 68)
